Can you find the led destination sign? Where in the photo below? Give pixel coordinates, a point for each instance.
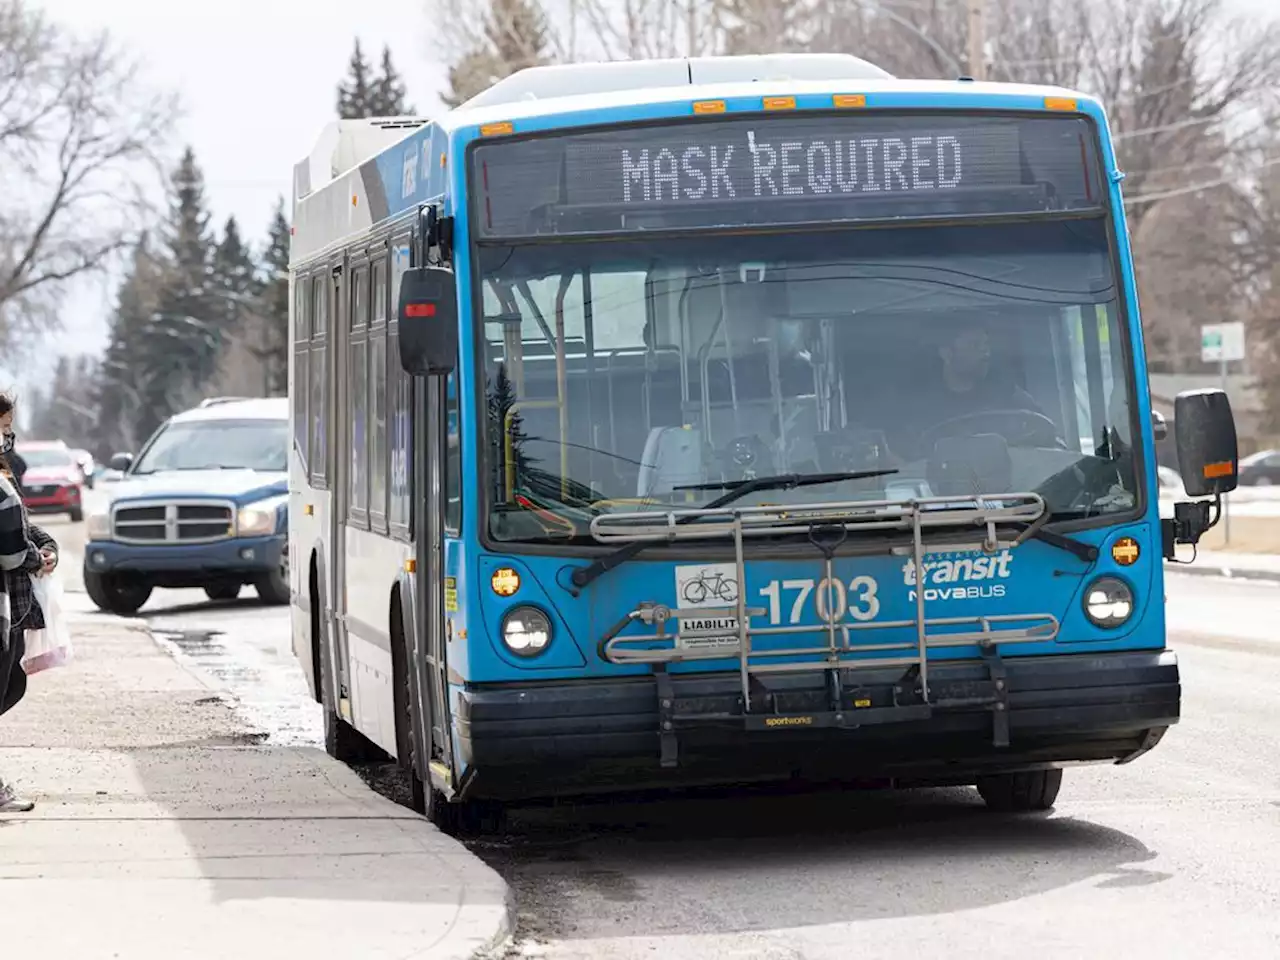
(790, 168)
(760, 171)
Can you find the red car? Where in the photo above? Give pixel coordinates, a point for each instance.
(53, 482)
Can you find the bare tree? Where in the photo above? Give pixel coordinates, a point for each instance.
(505, 36)
(79, 137)
(648, 29)
(1259, 279)
(1183, 83)
(767, 26)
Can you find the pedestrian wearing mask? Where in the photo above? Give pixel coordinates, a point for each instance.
(25, 550)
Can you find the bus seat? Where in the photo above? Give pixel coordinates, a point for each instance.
(672, 457)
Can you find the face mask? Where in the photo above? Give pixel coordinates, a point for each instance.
(6, 444)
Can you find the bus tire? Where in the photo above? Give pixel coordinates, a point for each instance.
(464, 818)
(402, 701)
(342, 741)
(1028, 791)
(453, 818)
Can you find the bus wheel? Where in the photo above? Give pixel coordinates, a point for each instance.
(1029, 791)
(342, 741)
(464, 818)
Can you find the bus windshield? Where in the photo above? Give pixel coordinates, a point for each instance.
(973, 359)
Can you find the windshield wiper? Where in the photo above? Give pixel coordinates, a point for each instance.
(583, 576)
(1085, 551)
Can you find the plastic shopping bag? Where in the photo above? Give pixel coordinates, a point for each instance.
(50, 647)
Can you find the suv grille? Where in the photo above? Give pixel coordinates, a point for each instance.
(187, 521)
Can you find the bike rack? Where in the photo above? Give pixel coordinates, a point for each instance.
(827, 526)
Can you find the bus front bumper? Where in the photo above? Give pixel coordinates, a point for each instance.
(533, 739)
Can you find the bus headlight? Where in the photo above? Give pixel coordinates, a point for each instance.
(526, 631)
(259, 519)
(98, 526)
(1108, 602)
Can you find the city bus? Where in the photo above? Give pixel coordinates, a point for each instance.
(714, 421)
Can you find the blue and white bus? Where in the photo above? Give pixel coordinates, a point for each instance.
(728, 419)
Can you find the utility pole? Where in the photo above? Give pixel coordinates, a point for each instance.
(1226, 497)
(977, 39)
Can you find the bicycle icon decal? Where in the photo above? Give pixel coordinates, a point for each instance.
(713, 585)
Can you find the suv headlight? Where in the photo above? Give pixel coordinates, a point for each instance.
(259, 519)
(1108, 602)
(98, 526)
(526, 631)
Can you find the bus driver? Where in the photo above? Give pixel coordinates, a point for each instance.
(966, 388)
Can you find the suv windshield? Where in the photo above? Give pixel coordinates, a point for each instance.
(218, 445)
(975, 359)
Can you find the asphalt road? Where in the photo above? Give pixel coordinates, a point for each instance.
(1173, 856)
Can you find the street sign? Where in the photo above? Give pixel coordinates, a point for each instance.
(1221, 342)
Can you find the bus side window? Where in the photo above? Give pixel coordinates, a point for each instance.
(300, 388)
(319, 379)
(452, 458)
(357, 413)
(399, 411)
(379, 384)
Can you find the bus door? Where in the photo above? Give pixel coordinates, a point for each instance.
(339, 474)
(430, 434)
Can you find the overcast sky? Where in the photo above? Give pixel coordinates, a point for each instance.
(257, 79)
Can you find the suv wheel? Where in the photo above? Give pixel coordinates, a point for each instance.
(274, 587)
(222, 591)
(115, 594)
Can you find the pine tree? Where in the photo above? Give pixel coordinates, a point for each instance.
(388, 97)
(121, 386)
(272, 344)
(235, 280)
(516, 36)
(186, 334)
(356, 92)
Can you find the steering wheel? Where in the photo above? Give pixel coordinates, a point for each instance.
(745, 453)
(1037, 430)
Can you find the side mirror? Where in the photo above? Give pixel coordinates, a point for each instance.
(122, 462)
(1159, 425)
(428, 314)
(1208, 458)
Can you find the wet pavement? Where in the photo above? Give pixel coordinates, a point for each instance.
(243, 648)
(239, 647)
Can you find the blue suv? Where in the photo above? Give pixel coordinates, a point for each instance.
(205, 504)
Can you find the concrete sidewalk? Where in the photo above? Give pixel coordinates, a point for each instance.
(161, 831)
(1242, 566)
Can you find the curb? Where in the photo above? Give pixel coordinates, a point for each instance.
(1226, 573)
(499, 945)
